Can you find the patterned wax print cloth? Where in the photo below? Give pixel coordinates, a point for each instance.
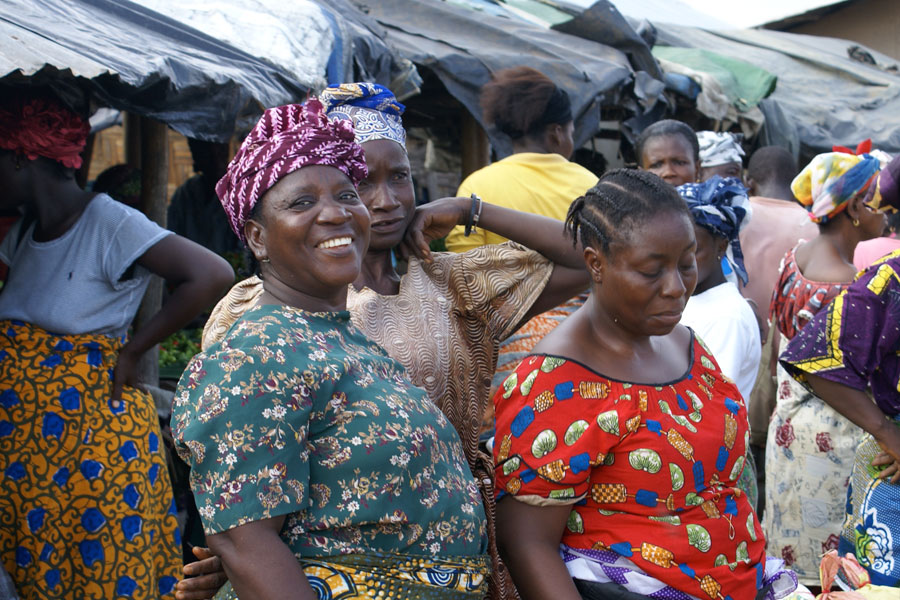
(871, 530)
(809, 456)
(519, 345)
(444, 326)
(855, 340)
(828, 183)
(719, 148)
(797, 299)
(85, 495)
(809, 445)
(649, 469)
(390, 576)
(379, 468)
(372, 109)
(286, 139)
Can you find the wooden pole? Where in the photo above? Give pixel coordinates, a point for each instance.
(154, 153)
(81, 175)
(474, 145)
(132, 125)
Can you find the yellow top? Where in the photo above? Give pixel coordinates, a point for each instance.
(542, 184)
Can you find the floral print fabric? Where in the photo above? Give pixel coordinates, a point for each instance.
(809, 447)
(650, 470)
(809, 456)
(85, 496)
(298, 414)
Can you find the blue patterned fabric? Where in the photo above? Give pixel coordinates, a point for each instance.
(871, 529)
(372, 108)
(720, 205)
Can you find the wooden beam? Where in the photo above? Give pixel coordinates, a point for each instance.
(132, 125)
(154, 153)
(474, 145)
(81, 175)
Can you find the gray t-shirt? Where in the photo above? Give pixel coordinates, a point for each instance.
(74, 284)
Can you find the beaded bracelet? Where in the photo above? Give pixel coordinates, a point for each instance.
(474, 215)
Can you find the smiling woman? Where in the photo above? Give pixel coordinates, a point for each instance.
(279, 418)
(309, 234)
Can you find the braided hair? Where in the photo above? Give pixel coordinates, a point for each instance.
(668, 128)
(622, 199)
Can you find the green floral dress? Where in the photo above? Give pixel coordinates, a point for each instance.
(298, 414)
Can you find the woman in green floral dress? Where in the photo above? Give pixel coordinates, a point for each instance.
(319, 470)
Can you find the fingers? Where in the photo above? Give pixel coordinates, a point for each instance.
(883, 458)
(204, 577)
(207, 563)
(892, 471)
(116, 396)
(199, 588)
(420, 246)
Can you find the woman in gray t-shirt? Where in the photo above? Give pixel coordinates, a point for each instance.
(85, 492)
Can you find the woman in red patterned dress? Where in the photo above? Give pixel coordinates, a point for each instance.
(619, 441)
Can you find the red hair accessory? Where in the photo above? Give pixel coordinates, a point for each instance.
(42, 127)
(864, 147)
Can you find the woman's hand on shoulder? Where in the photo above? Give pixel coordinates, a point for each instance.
(433, 221)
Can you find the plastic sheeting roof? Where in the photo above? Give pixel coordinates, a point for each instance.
(296, 35)
(463, 47)
(131, 58)
(823, 97)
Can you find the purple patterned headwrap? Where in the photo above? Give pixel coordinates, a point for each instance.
(285, 139)
(887, 196)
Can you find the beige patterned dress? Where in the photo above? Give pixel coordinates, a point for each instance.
(445, 327)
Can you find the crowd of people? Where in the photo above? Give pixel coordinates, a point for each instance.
(671, 381)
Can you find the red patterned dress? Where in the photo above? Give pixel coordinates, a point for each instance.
(649, 469)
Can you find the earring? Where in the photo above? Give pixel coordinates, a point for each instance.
(265, 260)
(856, 222)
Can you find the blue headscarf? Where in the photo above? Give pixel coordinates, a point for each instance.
(721, 206)
(372, 108)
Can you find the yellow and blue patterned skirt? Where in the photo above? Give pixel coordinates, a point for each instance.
(392, 577)
(86, 507)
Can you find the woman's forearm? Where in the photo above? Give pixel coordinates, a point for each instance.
(853, 404)
(199, 277)
(532, 553)
(541, 234)
(259, 564)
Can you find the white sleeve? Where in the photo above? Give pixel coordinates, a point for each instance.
(736, 346)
